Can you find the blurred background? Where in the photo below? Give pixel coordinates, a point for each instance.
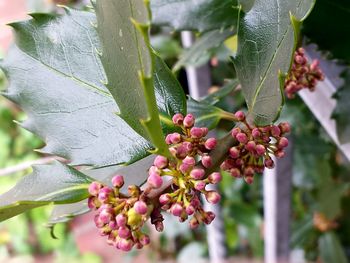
(319, 182)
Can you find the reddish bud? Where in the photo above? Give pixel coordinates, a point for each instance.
(197, 173)
(168, 139)
(213, 197)
(205, 131)
(256, 133)
(106, 215)
(242, 137)
(280, 154)
(125, 244)
(190, 210)
(118, 181)
(282, 143)
(234, 152)
(104, 194)
(92, 204)
(235, 172)
(160, 162)
(154, 180)
(250, 146)
(185, 168)
(164, 199)
(94, 188)
(145, 240)
(189, 121)
(196, 132)
(240, 115)
(189, 160)
(269, 163)
(124, 232)
(208, 218)
(175, 138)
(260, 149)
(249, 179)
(206, 161)
(275, 131)
(214, 178)
(314, 65)
(249, 171)
(121, 220)
(235, 131)
(176, 209)
(194, 223)
(210, 143)
(178, 119)
(199, 185)
(141, 207)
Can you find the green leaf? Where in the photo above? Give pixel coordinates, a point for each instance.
(197, 15)
(330, 249)
(135, 173)
(56, 77)
(123, 27)
(224, 91)
(206, 114)
(55, 183)
(201, 50)
(267, 38)
(328, 26)
(341, 113)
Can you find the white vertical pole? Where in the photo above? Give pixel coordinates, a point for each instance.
(199, 81)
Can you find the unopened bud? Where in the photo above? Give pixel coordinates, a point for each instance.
(189, 121)
(178, 119)
(141, 207)
(160, 162)
(214, 178)
(242, 137)
(176, 209)
(196, 132)
(155, 180)
(118, 181)
(197, 173)
(94, 188)
(207, 161)
(210, 143)
(213, 197)
(240, 115)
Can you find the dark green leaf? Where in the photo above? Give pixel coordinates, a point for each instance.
(330, 249)
(56, 77)
(123, 27)
(266, 42)
(328, 26)
(341, 113)
(201, 51)
(197, 15)
(55, 183)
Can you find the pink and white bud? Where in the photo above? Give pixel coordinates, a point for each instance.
(199, 185)
(118, 181)
(275, 131)
(215, 178)
(256, 133)
(98, 222)
(207, 161)
(235, 131)
(234, 152)
(190, 210)
(197, 173)
(240, 115)
(121, 220)
(92, 202)
(178, 119)
(260, 149)
(213, 197)
(188, 146)
(113, 225)
(193, 223)
(104, 194)
(242, 137)
(168, 139)
(269, 163)
(106, 215)
(176, 209)
(124, 232)
(189, 160)
(280, 154)
(125, 244)
(285, 127)
(154, 170)
(196, 132)
(249, 179)
(210, 143)
(249, 171)
(189, 121)
(160, 162)
(282, 143)
(155, 180)
(250, 146)
(175, 138)
(141, 207)
(208, 217)
(164, 199)
(145, 240)
(205, 131)
(235, 172)
(94, 188)
(185, 168)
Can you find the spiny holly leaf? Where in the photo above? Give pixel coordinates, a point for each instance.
(55, 76)
(341, 113)
(197, 15)
(267, 37)
(54, 183)
(201, 50)
(330, 249)
(123, 27)
(135, 173)
(328, 26)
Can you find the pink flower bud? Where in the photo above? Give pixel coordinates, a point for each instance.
(249, 171)
(106, 215)
(94, 188)
(125, 244)
(185, 168)
(205, 131)
(175, 138)
(121, 220)
(227, 164)
(208, 217)
(118, 181)
(176, 209)
(173, 151)
(249, 179)
(189, 160)
(160, 162)
(282, 143)
(164, 199)
(275, 131)
(145, 240)
(98, 221)
(155, 181)
(124, 232)
(210, 143)
(92, 202)
(190, 210)
(178, 119)
(181, 151)
(234, 152)
(154, 170)
(235, 131)
(240, 115)
(168, 139)
(199, 185)
(197, 173)
(250, 146)
(113, 225)
(188, 146)
(242, 137)
(206, 161)
(280, 154)
(104, 194)
(269, 163)
(285, 127)
(189, 121)
(159, 226)
(194, 223)
(141, 207)
(214, 178)
(196, 132)
(235, 172)
(256, 133)
(260, 149)
(213, 197)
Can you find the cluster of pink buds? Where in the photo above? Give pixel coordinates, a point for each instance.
(254, 149)
(303, 74)
(188, 181)
(120, 217)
